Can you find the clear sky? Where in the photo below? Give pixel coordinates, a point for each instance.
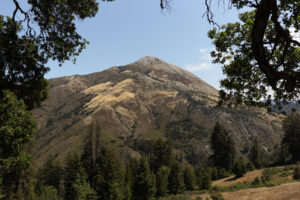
(125, 30)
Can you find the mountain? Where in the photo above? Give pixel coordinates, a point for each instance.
(127, 105)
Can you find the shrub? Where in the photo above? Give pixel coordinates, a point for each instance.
(297, 171)
(216, 196)
(239, 168)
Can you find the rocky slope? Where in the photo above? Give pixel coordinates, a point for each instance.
(143, 100)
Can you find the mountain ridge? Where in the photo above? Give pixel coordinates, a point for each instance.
(139, 101)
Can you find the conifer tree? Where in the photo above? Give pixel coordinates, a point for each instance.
(189, 178)
(109, 179)
(51, 174)
(160, 154)
(239, 168)
(176, 182)
(203, 178)
(143, 187)
(162, 181)
(291, 139)
(256, 154)
(76, 187)
(223, 148)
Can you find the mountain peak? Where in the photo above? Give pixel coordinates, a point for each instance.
(149, 60)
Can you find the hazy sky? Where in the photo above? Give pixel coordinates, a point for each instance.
(125, 30)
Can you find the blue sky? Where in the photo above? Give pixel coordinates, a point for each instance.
(125, 30)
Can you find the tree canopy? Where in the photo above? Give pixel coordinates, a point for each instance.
(259, 54)
(29, 38)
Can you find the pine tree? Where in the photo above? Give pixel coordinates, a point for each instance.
(109, 179)
(223, 148)
(256, 154)
(189, 178)
(176, 182)
(160, 154)
(51, 174)
(239, 168)
(75, 184)
(162, 181)
(143, 187)
(291, 127)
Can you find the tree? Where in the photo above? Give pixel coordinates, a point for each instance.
(76, 187)
(16, 129)
(160, 154)
(223, 148)
(109, 177)
(51, 174)
(143, 187)
(257, 59)
(239, 168)
(48, 193)
(189, 178)
(176, 181)
(297, 171)
(259, 54)
(162, 176)
(291, 139)
(29, 38)
(256, 154)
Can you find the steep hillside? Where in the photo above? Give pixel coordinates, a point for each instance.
(143, 100)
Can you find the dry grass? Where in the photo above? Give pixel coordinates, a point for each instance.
(250, 176)
(289, 191)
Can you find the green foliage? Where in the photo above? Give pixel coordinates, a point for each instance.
(31, 36)
(216, 196)
(296, 174)
(51, 174)
(177, 197)
(159, 151)
(189, 178)
(256, 154)
(161, 154)
(184, 129)
(143, 187)
(203, 178)
(16, 129)
(75, 185)
(223, 148)
(48, 193)
(250, 76)
(176, 181)
(268, 174)
(162, 176)
(239, 168)
(109, 179)
(291, 139)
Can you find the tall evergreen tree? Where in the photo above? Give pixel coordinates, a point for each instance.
(76, 187)
(51, 174)
(109, 179)
(176, 181)
(291, 139)
(203, 178)
(256, 154)
(239, 168)
(162, 181)
(189, 178)
(160, 154)
(223, 148)
(143, 187)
